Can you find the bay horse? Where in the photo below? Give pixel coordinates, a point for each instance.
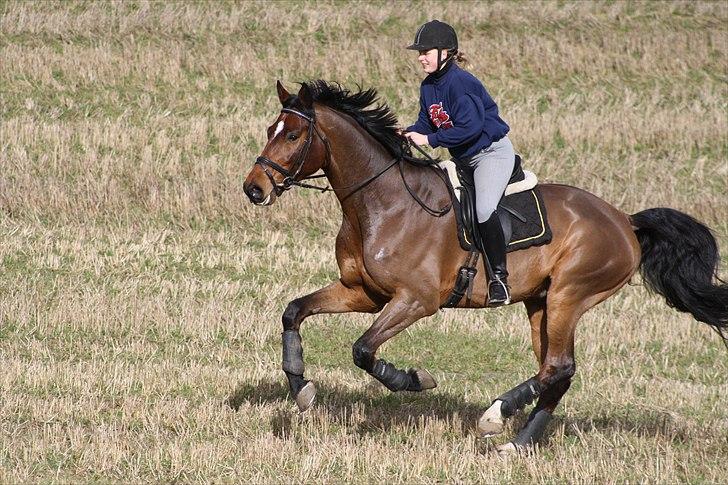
(400, 260)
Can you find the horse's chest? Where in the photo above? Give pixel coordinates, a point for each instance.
(371, 267)
(379, 266)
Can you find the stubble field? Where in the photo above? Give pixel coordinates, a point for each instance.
(141, 294)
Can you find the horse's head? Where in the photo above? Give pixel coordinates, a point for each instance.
(295, 149)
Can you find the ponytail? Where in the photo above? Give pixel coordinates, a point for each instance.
(460, 57)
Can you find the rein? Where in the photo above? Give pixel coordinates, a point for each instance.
(438, 172)
(291, 179)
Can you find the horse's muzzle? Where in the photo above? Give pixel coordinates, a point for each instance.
(256, 194)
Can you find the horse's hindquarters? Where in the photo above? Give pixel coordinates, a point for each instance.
(593, 247)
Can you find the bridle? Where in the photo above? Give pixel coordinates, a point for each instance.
(291, 179)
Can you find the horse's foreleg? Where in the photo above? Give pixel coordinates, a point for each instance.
(400, 313)
(335, 298)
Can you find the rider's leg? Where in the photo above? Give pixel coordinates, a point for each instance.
(494, 244)
(492, 170)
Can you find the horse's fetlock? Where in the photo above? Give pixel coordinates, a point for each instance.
(290, 317)
(362, 355)
(534, 429)
(392, 378)
(520, 396)
(295, 383)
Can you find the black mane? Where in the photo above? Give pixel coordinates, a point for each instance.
(371, 114)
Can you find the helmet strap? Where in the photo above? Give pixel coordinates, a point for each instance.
(441, 62)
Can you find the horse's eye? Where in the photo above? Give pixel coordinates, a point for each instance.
(292, 136)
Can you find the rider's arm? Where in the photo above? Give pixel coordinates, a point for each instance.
(423, 124)
(468, 117)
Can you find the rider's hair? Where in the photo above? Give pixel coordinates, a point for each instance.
(460, 58)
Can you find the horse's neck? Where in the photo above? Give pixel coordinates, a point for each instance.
(355, 158)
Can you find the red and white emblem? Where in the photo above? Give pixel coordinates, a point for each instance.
(439, 116)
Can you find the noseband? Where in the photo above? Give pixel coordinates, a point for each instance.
(290, 177)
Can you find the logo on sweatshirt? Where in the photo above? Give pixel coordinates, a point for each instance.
(439, 116)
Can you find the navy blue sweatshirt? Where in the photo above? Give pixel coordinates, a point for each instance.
(456, 112)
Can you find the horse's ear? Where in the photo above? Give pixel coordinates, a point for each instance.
(283, 95)
(305, 96)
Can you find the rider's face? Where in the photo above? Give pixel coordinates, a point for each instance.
(428, 60)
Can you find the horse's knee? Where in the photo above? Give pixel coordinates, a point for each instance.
(363, 355)
(291, 316)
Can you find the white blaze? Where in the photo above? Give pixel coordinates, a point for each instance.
(279, 128)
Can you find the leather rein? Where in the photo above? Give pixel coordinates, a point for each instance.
(290, 177)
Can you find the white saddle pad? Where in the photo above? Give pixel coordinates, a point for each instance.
(526, 184)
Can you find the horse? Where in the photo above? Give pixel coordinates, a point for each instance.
(399, 257)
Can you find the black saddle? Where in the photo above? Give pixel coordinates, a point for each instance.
(522, 215)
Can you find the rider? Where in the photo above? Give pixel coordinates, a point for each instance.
(456, 112)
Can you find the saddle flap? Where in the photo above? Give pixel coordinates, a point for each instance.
(506, 224)
(521, 210)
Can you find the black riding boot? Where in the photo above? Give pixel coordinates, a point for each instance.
(494, 243)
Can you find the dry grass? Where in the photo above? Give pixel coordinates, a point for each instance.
(140, 295)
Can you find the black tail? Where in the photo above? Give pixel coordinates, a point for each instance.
(679, 260)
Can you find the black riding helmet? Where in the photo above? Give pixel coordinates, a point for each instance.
(436, 35)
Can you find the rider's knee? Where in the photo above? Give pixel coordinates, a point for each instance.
(485, 213)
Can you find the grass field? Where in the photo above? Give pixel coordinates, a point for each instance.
(141, 294)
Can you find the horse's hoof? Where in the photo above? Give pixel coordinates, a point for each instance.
(513, 449)
(305, 396)
(489, 428)
(491, 422)
(426, 380)
(508, 449)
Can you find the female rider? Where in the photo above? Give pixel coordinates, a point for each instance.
(456, 112)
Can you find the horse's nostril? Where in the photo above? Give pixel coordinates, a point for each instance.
(255, 193)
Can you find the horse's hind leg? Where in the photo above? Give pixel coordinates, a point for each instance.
(565, 304)
(557, 367)
(399, 314)
(492, 421)
(335, 298)
(552, 332)
(555, 372)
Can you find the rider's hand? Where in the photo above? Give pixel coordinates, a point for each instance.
(418, 138)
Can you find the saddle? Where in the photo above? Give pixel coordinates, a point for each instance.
(521, 211)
